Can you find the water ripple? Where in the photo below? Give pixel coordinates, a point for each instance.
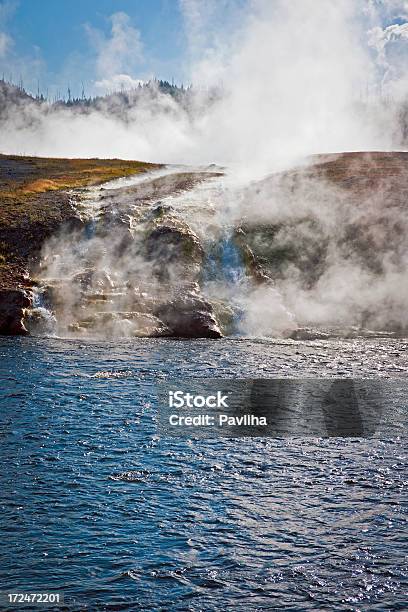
(94, 503)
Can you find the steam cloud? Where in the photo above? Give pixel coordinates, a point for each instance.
(292, 79)
(291, 76)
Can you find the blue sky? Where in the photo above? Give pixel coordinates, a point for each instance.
(106, 44)
(57, 41)
(57, 27)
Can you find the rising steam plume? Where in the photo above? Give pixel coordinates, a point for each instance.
(293, 79)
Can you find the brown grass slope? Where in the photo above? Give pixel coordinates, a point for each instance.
(34, 202)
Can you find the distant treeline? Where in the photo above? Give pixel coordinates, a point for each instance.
(160, 95)
(67, 99)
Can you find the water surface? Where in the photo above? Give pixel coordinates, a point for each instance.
(95, 504)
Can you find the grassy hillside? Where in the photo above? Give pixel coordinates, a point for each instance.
(21, 177)
(34, 202)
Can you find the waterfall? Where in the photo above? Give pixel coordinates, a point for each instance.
(40, 318)
(90, 228)
(223, 261)
(225, 279)
(247, 308)
(231, 260)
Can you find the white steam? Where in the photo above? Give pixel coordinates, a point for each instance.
(291, 77)
(121, 51)
(338, 255)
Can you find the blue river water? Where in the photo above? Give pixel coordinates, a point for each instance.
(96, 505)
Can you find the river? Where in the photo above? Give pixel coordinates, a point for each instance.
(96, 505)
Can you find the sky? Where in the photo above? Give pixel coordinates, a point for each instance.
(60, 43)
(105, 45)
(57, 42)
